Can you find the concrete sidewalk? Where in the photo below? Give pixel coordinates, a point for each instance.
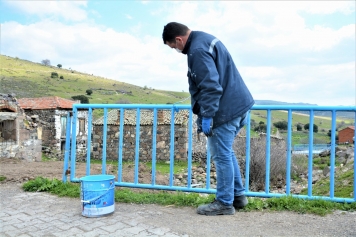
(42, 214)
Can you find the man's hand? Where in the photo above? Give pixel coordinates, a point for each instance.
(206, 126)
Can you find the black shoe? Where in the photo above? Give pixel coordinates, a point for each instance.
(215, 208)
(240, 202)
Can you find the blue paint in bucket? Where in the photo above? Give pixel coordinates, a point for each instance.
(97, 195)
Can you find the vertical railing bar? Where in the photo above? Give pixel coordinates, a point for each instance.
(268, 150)
(137, 148)
(171, 155)
(310, 158)
(73, 143)
(247, 159)
(89, 141)
(190, 134)
(105, 129)
(208, 163)
(67, 148)
(332, 154)
(154, 139)
(289, 151)
(121, 146)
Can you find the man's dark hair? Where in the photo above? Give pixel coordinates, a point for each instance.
(172, 30)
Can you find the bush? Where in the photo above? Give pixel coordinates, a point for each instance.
(283, 125)
(299, 127)
(278, 156)
(261, 128)
(89, 92)
(315, 127)
(54, 75)
(59, 65)
(83, 99)
(61, 77)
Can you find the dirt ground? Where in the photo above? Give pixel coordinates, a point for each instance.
(19, 171)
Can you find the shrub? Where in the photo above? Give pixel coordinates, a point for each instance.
(54, 75)
(261, 127)
(283, 125)
(258, 161)
(299, 165)
(89, 92)
(83, 99)
(299, 127)
(59, 65)
(61, 77)
(315, 127)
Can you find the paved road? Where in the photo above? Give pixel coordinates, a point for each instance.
(43, 214)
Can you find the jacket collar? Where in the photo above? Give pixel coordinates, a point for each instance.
(187, 45)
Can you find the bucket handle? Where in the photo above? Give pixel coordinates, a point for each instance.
(96, 198)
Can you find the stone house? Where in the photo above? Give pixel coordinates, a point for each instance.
(146, 127)
(53, 112)
(346, 135)
(20, 135)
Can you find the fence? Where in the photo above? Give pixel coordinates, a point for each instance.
(70, 149)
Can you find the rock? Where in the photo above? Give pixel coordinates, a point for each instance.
(324, 153)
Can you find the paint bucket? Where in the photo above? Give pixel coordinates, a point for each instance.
(97, 195)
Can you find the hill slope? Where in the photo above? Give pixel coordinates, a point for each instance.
(28, 79)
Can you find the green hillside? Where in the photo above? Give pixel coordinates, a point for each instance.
(28, 79)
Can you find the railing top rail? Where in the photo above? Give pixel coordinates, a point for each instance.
(304, 107)
(131, 106)
(186, 106)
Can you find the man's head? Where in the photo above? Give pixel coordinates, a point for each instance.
(175, 35)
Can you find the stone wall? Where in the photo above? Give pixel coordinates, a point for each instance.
(27, 144)
(52, 140)
(145, 151)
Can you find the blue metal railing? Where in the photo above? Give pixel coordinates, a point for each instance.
(70, 152)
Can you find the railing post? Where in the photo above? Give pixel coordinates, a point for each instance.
(289, 151)
(89, 141)
(310, 157)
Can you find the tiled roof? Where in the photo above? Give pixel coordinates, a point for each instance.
(146, 117)
(52, 102)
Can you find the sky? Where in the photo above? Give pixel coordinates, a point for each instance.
(289, 51)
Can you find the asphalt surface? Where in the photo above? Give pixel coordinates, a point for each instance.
(42, 214)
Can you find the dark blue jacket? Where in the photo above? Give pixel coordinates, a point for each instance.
(215, 85)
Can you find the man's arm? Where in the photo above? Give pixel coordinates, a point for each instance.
(206, 78)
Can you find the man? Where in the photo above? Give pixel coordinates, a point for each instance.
(221, 100)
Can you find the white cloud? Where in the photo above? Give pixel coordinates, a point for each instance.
(68, 10)
(128, 16)
(102, 52)
(259, 31)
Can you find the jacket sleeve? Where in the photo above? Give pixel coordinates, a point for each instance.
(206, 78)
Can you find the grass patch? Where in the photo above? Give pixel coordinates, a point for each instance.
(2, 178)
(45, 158)
(126, 195)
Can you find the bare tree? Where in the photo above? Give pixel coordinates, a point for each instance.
(46, 62)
